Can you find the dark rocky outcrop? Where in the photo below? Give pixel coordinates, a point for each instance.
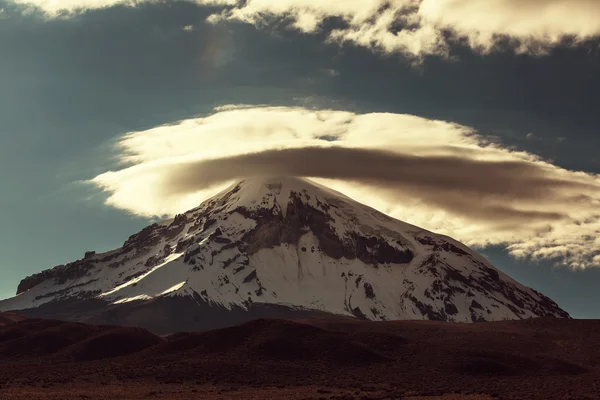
(147, 237)
(32, 281)
(60, 274)
(273, 229)
(369, 292)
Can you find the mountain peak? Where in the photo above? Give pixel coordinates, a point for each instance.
(254, 189)
(292, 182)
(280, 246)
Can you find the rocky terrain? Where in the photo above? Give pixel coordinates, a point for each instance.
(282, 248)
(324, 358)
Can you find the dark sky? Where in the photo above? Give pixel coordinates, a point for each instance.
(69, 87)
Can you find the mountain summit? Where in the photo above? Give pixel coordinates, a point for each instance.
(278, 247)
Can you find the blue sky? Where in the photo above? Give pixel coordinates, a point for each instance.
(71, 86)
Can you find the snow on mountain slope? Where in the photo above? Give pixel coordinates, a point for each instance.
(292, 243)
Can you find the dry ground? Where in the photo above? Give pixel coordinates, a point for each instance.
(315, 359)
(183, 392)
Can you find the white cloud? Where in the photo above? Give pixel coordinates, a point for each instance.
(537, 24)
(544, 21)
(444, 177)
(55, 7)
(369, 22)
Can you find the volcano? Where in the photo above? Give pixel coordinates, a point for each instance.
(284, 248)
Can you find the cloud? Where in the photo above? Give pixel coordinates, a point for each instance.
(543, 22)
(434, 174)
(369, 23)
(412, 27)
(59, 7)
(416, 27)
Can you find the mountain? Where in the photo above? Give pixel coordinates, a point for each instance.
(278, 247)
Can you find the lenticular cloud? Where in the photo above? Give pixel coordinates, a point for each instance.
(438, 175)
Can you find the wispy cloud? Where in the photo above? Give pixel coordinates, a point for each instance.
(438, 175)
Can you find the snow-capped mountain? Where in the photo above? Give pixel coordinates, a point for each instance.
(278, 247)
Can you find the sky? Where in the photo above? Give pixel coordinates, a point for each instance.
(476, 119)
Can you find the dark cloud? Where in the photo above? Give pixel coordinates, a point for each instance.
(463, 186)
